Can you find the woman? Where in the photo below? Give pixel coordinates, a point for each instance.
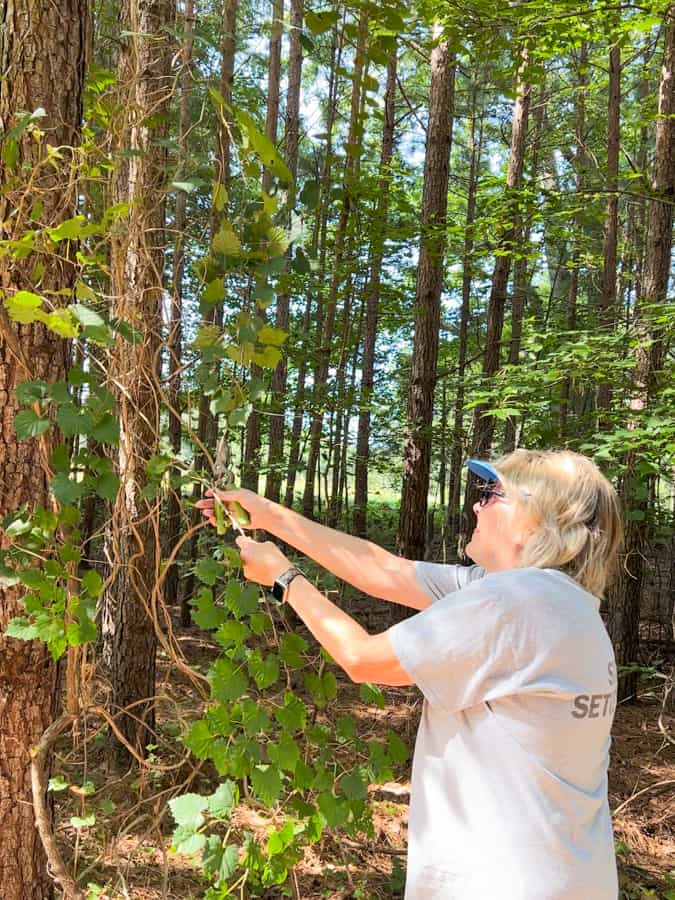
(509, 783)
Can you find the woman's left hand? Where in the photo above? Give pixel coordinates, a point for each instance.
(262, 563)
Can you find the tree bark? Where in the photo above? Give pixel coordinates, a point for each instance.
(42, 54)
(417, 452)
(137, 264)
(625, 600)
(611, 229)
(372, 307)
(457, 453)
(483, 423)
(291, 141)
(354, 144)
(174, 339)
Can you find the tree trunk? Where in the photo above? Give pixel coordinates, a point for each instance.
(354, 144)
(417, 452)
(373, 306)
(521, 268)
(291, 140)
(455, 480)
(174, 340)
(137, 263)
(484, 424)
(625, 600)
(610, 239)
(580, 165)
(42, 55)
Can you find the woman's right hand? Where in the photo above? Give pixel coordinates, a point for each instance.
(256, 507)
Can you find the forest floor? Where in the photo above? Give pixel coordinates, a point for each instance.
(127, 851)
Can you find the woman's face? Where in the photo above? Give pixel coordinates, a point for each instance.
(501, 532)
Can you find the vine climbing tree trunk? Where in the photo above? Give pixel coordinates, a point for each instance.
(137, 262)
(417, 453)
(42, 60)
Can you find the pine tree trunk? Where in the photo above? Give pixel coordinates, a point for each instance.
(174, 339)
(360, 511)
(417, 452)
(354, 143)
(625, 599)
(137, 262)
(42, 56)
(291, 141)
(610, 240)
(455, 480)
(483, 424)
(580, 164)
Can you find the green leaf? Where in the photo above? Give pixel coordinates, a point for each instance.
(320, 22)
(199, 739)
(264, 671)
(219, 195)
(60, 322)
(208, 570)
(86, 316)
(397, 749)
(21, 629)
(58, 783)
(23, 306)
(355, 784)
(106, 430)
(223, 799)
(241, 600)
(266, 784)
(269, 358)
(65, 489)
(225, 241)
(69, 230)
(274, 336)
(285, 754)
(227, 682)
(79, 822)
(206, 614)
(291, 649)
(263, 147)
(188, 186)
(232, 633)
(29, 391)
(372, 695)
(293, 715)
(279, 840)
(92, 583)
(335, 813)
(107, 485)
(28, 424)
(190, 844)
(214, 292)
(187, 810)
(72, 420)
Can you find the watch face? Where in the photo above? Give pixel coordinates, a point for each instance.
(278, 591)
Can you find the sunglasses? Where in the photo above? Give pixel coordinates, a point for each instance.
(486, 491)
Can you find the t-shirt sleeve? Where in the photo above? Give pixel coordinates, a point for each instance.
(460, 650)
(439, 579)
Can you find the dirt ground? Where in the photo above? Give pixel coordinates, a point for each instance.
(127, 854)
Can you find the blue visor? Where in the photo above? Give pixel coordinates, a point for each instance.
(484, 470)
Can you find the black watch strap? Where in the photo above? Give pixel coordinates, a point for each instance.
(280, 586)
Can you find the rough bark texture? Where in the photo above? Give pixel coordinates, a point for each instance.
(174, 340)
(137, 264)
(611, 228)
(372, 308)
(457, 453)
(354, 143)
(625, 600)
(42, 50)
(417, 452)
(291, 141)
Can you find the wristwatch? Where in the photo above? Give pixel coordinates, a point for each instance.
(280, 586)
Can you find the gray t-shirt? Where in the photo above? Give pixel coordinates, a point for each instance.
(509, 783)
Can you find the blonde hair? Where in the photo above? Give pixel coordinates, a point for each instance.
(577, 510)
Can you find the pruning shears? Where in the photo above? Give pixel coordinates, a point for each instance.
(223, 479)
